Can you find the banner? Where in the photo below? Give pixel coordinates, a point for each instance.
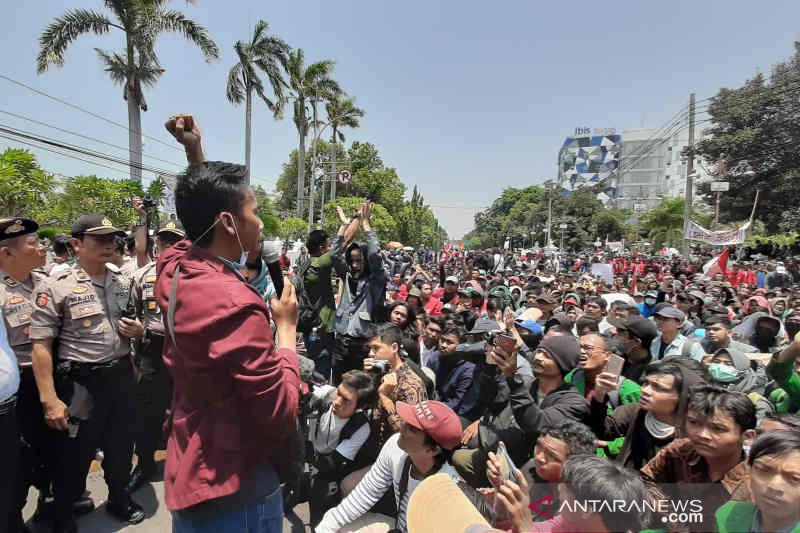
(695, 232)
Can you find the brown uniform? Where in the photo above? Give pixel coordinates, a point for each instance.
(144, 283)
(82, 312)
(16, 301)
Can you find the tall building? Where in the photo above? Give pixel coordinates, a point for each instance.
(652, 167)
(589, 157)
(637, 169)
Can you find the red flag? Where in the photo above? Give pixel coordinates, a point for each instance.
(717, 265)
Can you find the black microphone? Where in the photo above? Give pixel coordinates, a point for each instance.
(271, 252)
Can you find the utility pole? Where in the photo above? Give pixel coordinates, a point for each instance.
(689, 192)
(313, 178)
(333, 166)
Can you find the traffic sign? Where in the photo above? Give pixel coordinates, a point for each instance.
(344, 177)
(720, 186)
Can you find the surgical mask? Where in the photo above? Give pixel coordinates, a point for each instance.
(238, 267)
(723, 373)
(650, 301)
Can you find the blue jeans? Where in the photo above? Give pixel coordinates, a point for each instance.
(264, 517)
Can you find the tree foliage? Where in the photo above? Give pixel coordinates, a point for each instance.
(756, 126)
(381, 221)
(521, 216)
(24, 187)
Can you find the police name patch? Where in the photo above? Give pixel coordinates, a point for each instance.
(15, 299)
(41, 299)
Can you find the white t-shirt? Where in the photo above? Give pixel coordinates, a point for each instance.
(324, 432)
(385, 473)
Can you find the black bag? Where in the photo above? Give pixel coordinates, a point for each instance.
(307, 311)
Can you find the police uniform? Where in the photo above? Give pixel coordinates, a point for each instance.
(154, 386)
(15, 390)
(93, 376)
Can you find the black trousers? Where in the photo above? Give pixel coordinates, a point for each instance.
(110, 426)
(348, 354)
(153, 398)
(38, 454)
(9, 455)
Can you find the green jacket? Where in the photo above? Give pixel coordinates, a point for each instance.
(739, 517)
(788, 380)
(629, 392)
(317, 282)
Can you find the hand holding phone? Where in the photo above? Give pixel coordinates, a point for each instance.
(614, 365)
(506, 341)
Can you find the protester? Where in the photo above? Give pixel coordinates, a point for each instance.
(670, 342)
(774, 475)
(429, 433)
(236, 390)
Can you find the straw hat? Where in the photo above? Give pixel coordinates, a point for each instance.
(437, 505)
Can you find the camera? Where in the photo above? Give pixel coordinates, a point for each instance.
(380, 366)
(148, 202)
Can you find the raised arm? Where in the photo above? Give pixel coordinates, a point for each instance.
(186, 131)
(140, 235)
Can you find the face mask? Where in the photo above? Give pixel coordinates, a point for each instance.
(238, 267)
(650, 301)
(723, 373)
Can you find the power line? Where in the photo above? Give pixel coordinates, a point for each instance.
(85, 151)
(37, 146)
(81, 109)
(22, 117)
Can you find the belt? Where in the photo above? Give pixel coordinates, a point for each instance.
(6, 406)
(95, 367)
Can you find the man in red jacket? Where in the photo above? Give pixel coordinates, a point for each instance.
(236, 392)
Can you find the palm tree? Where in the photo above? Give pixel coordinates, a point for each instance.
(342, 113)
(142, 21)
(268, 54)
(308, 84)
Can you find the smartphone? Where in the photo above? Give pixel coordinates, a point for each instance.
(507, 467)
(614, 365)
(506, 342)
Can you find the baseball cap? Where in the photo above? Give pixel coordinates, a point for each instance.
(94, 225)
(174, 228)
(434, 418)
(415, 292)
(483, 325)
(530, 325)
(651, 294)
(671, 312)
(546, 298)
(16, 227)
(453, 279)
(476, 290)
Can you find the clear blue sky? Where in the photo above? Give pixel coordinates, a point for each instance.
(463, 97)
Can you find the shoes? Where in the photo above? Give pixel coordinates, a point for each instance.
(139, 477)
(131, 513)
(83, 505)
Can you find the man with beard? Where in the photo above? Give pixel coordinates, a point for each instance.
(363, 277)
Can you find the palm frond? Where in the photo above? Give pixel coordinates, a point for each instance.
(63, 31)
(262, 27)
(115, 65)
(176, 22)
(235, 90)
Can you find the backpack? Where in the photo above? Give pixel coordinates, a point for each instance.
(307, 311)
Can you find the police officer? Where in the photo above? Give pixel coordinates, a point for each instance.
(89, 395)
(154, 386)
(20, 254)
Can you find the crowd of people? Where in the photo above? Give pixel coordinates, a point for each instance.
(390, 390)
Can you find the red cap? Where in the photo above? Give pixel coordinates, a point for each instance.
(435, 419)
